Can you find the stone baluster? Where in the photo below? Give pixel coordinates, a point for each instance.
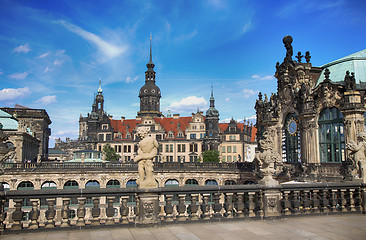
(181, 208)
(295, 202)
(193, 207)
(205, 207)
(351, 200)
(229, 205)
(260, 204)
(285, 203)
(358, 200)
(34, 214)
(95, 212)
(65, 213)
(324, 202)
(217, 206)
(81, 212)
(333, 200)
(239, 205)
(251, 204)
(124, 210)
(17, 215)
(168, 208)
(342, 200)
(50, 213)
(110, 211)
(3, 215)
(306, 201)
(315, 201)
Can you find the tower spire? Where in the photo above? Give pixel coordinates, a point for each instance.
(212, 99)
(150, 48)
(100, 90)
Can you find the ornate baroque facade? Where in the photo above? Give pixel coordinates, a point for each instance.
(315, 110)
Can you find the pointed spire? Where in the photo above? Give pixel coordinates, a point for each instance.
(212, 99)
(100, 90)
(150, 65)
(150, 48)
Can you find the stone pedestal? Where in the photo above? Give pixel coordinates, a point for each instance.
(271, 203)
(148, 208)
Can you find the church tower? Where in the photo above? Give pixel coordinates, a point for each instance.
(150, 93)
(99, 100)
(212, 139)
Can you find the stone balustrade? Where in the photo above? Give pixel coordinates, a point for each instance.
(166, 166)
(78, 208)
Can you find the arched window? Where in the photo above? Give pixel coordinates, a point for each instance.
(113, 184)
(131, 183)
(230, 182)
(211, 182)
(6, 186)
(26, 185)
(331, 135)
(171, 182)
(191, 182)
(71, 184)
(49, 185)
(92, 184)
(291, 139)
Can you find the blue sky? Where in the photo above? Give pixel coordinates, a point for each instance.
(54, 52)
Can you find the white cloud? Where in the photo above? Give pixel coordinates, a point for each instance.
(249, 92)
(247, 27)
(44, 55)
(131, 80)
(46, 70)
(1, 71)
(110, 50)
(13, 93)
(58, 62)
(268, 77)
(47, 99)
(227, 99)
(22, 49)
(189, 103)
(18, 76)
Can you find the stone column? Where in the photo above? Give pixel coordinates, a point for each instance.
(308, 139)
(148, 208)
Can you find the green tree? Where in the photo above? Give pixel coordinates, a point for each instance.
(110, 153)
(210, 156)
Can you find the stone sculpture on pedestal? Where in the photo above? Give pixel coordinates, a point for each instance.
(267, 158)
(358, 154)
(148, 149)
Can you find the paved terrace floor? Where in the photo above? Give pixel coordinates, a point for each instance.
(312, 227)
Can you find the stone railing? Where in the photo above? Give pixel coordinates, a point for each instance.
(76, 208)
(130, 166)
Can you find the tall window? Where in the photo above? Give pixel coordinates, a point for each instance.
(331, 135)
(291, 139)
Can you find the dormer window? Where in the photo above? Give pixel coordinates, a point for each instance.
(170, 135)
(180, 135)
(128, 136)
(105, 126)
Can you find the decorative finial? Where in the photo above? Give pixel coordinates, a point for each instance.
(211, 90)
(100, 86)
(326, 74)
(307, 56)
(299, 56)
(260, 96)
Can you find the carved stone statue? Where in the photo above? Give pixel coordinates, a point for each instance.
(148, 149)
(7, 151)
(267, 158)
(358, 153)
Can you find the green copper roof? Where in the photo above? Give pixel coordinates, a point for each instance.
(7, 121)
(355, 62)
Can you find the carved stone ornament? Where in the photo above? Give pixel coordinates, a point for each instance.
(148, 149)
(271, 202)
(267, 158)
(358, 154)
(149, 209)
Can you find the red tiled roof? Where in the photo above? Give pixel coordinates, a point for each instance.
(254, 134)
(119, 126)
(171, 124)
(223, 126)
